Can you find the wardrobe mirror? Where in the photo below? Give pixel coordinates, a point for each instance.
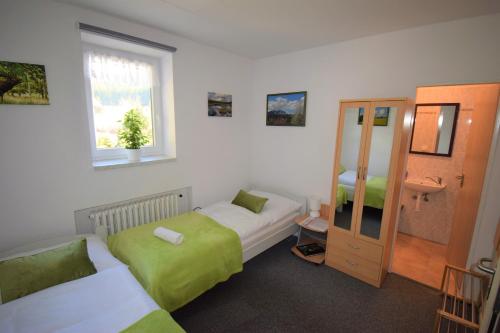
(346, 178)
(434, 129)
(376, 173)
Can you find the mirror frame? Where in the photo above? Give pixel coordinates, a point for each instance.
(452, 138)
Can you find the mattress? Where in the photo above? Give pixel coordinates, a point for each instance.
(237, 218)
(278, 212)
(350, 192)
(108, 301)
(348, 178)
(269, 230)
(277, 206)
(375, 189)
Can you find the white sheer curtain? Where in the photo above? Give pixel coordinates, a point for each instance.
(118, 82)
(114, 70)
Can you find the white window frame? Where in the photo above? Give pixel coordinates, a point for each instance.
(161, 98)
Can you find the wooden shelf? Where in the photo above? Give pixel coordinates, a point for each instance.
(317, 259)
(300, 221)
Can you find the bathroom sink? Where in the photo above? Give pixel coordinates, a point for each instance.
(424, 186)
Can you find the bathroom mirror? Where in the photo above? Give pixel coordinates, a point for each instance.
(434, 128)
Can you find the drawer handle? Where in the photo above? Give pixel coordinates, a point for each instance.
(351, 263)
(353, 246)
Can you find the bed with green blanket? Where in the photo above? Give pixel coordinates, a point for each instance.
(341, 196)
(158, 321)
(375, 190)
(175, 275)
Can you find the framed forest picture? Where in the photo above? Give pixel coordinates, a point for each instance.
(22, 83)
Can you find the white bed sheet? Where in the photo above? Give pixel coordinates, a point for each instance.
(350, 192)
(237, 218)
(248, 225)
(108, 301)
(277, 206)
(348, 178)
(269, 230)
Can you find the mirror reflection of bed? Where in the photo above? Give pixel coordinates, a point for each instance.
(376, 176)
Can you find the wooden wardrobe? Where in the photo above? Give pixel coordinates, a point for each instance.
(370, 158)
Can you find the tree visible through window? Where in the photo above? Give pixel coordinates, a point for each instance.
(117, 85)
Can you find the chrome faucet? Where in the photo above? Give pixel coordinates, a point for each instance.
(438, 180)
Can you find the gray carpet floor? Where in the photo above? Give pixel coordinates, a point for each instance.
(278, 292)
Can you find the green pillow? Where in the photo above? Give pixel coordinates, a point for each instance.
(249, 201)
(341, 169)
(25, 275)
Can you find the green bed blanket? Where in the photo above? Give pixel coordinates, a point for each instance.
(341, 196)
(175, 275)
(375, 192)
(158, 321)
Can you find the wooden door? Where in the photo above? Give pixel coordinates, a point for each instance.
(486, 99)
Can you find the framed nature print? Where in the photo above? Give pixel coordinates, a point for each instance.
(286, 109)
(220, 105)
(22, 83)
(381, 116)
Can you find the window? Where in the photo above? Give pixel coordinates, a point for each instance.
(120, 76)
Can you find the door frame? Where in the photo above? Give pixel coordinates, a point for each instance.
(488, 174)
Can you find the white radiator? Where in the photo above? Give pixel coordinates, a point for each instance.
(131, 213)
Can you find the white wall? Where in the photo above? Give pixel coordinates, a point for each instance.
(351, 139)
(388, 65)
(45, 163)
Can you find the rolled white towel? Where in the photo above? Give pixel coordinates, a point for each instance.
(169, 235)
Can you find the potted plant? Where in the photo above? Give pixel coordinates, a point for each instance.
(132, 134)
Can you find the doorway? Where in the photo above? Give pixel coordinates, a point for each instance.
(452, 132)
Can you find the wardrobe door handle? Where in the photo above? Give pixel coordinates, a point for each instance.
(359, 172)
(353, 246)
(364, 173)
(351, 263)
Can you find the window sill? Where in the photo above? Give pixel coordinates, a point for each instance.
(124, 163)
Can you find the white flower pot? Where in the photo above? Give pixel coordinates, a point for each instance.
(134, 155)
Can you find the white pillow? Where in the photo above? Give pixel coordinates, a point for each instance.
(277, 206)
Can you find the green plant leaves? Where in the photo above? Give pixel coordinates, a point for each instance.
(132, 133)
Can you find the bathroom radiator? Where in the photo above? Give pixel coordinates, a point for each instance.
(110, 219)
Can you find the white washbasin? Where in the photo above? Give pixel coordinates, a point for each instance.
(424, 186)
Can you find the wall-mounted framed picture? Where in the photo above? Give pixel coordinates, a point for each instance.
(381, 116)
(220, 105)
(286, 109)
(22, 83)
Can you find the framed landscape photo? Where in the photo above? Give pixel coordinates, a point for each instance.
(361, 115)
(22, 83)
(220, 105)
(381, 116)
(286, 109)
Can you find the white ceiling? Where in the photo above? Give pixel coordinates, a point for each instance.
(261, 28)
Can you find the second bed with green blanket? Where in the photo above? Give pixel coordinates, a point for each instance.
(176, 274)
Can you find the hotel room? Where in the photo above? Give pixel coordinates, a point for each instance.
(353, 186)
